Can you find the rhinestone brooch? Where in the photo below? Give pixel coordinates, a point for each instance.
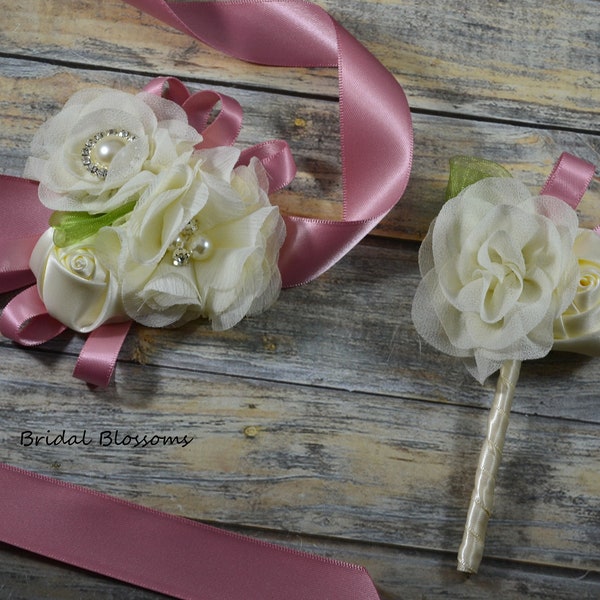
(98, 152)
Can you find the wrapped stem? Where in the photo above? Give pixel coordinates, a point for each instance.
(482, 499)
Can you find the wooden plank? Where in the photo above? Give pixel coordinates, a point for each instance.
(534, 62)
(31, 92)
(351, 330)
(355, 466)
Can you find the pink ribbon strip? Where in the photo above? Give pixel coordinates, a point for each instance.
(569, 179)
(161, 552)
(24, 218)
(375, 122)
(98, 357)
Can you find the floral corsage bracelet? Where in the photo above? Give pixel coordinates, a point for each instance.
(149, 224)
(507, 277)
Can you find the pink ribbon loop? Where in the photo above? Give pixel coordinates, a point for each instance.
(276, 158)
(226, 126)
(275, 155)
(161, 552)
(26, 321)
(170, 88)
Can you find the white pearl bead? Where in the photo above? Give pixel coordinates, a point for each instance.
(202, 248)
(106, 149)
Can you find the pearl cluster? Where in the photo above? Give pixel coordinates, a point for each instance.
(188, 245)
(98, 152)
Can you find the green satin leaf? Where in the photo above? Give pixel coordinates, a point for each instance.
(467, 170)
(71, 227)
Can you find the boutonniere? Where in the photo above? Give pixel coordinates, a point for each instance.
(506, 277)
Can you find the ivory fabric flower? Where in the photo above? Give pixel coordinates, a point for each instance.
(75, 283)
(577, 329)
(203, 241)
(498, 268)
(105, 146)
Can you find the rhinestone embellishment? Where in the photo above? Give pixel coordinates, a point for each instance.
(188, 245)
(98, 152)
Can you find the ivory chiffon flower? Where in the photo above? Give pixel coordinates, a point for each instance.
(577, 329)
(106, 145)
(203, 241)
(498, 268)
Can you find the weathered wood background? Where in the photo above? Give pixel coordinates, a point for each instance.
(325, 424)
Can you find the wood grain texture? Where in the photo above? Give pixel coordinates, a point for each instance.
(326, 424)
(31, 92)
(324, 462)
(528, 61)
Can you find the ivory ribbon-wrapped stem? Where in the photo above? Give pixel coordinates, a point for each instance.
(482, 499)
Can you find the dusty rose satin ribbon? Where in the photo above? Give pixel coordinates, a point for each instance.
(375, 122)
(162, 552)
(569, 179)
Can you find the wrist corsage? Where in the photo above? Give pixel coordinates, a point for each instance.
(507, 276)
(156, 218)
(149, 224)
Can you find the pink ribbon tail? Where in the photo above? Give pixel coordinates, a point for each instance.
(569, 179)
(161, 552)
(98, 357)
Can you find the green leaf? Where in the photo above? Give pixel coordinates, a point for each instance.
(467, 170)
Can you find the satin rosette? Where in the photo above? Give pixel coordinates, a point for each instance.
(75, 283)
(577, 329)
(498, 269)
